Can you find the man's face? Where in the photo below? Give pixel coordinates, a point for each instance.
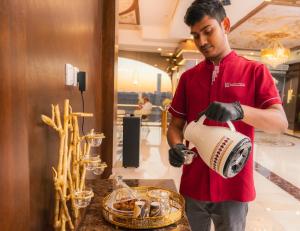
(210, 37)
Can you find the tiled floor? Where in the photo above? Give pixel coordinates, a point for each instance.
(274, 208)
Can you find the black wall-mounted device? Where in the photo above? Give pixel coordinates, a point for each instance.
(81, 79)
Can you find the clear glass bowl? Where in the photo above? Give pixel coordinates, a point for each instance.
(95, 139)
(96, 142)
(92, 162)
(99, 169)
(82, 198)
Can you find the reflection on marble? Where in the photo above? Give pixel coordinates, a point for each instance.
(271, 202)
(282, 183)
(283, 161)
(154, 163)
(273, 209)
(272, 140)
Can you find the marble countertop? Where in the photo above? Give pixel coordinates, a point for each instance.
(92, 219)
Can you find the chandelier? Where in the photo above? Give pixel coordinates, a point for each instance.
(275, 54)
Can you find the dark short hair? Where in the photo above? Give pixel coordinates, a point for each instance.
(200, 8)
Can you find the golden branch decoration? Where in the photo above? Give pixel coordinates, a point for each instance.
(73, 163)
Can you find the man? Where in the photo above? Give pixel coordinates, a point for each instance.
(145, 108)
(224, 87)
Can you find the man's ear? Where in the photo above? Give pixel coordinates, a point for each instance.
(226, 25)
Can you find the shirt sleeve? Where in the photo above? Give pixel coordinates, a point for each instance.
(266, 93)
(178, 105)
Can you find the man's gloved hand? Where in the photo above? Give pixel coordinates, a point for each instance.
(223, 112)
(176, 157)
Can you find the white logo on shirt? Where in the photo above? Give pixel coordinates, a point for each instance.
(234, 84)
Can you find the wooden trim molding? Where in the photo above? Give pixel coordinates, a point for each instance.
(137, 12)
(131, 8)
(134, 7)
(295, 48)
(285, 3)
(252, 13)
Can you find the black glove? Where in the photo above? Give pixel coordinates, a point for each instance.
(176, 157)
(223, 112)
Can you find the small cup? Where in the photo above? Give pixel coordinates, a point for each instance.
(155, 209)
(139, 209)
(165, 203)
(188, 156)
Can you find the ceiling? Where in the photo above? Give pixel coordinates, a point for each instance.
(271, 21)
(157, 25)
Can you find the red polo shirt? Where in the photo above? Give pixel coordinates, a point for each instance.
(235, 79)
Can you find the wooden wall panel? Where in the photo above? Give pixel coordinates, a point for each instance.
(108, 83)
(37, 39)
(292, 109)
(58, 33)
(14, 172)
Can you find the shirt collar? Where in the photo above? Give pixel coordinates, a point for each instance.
(229, 57)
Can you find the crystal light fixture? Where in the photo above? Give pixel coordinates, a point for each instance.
(275, 54)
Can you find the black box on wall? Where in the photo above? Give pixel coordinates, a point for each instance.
(131, 141)
(81, 79)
